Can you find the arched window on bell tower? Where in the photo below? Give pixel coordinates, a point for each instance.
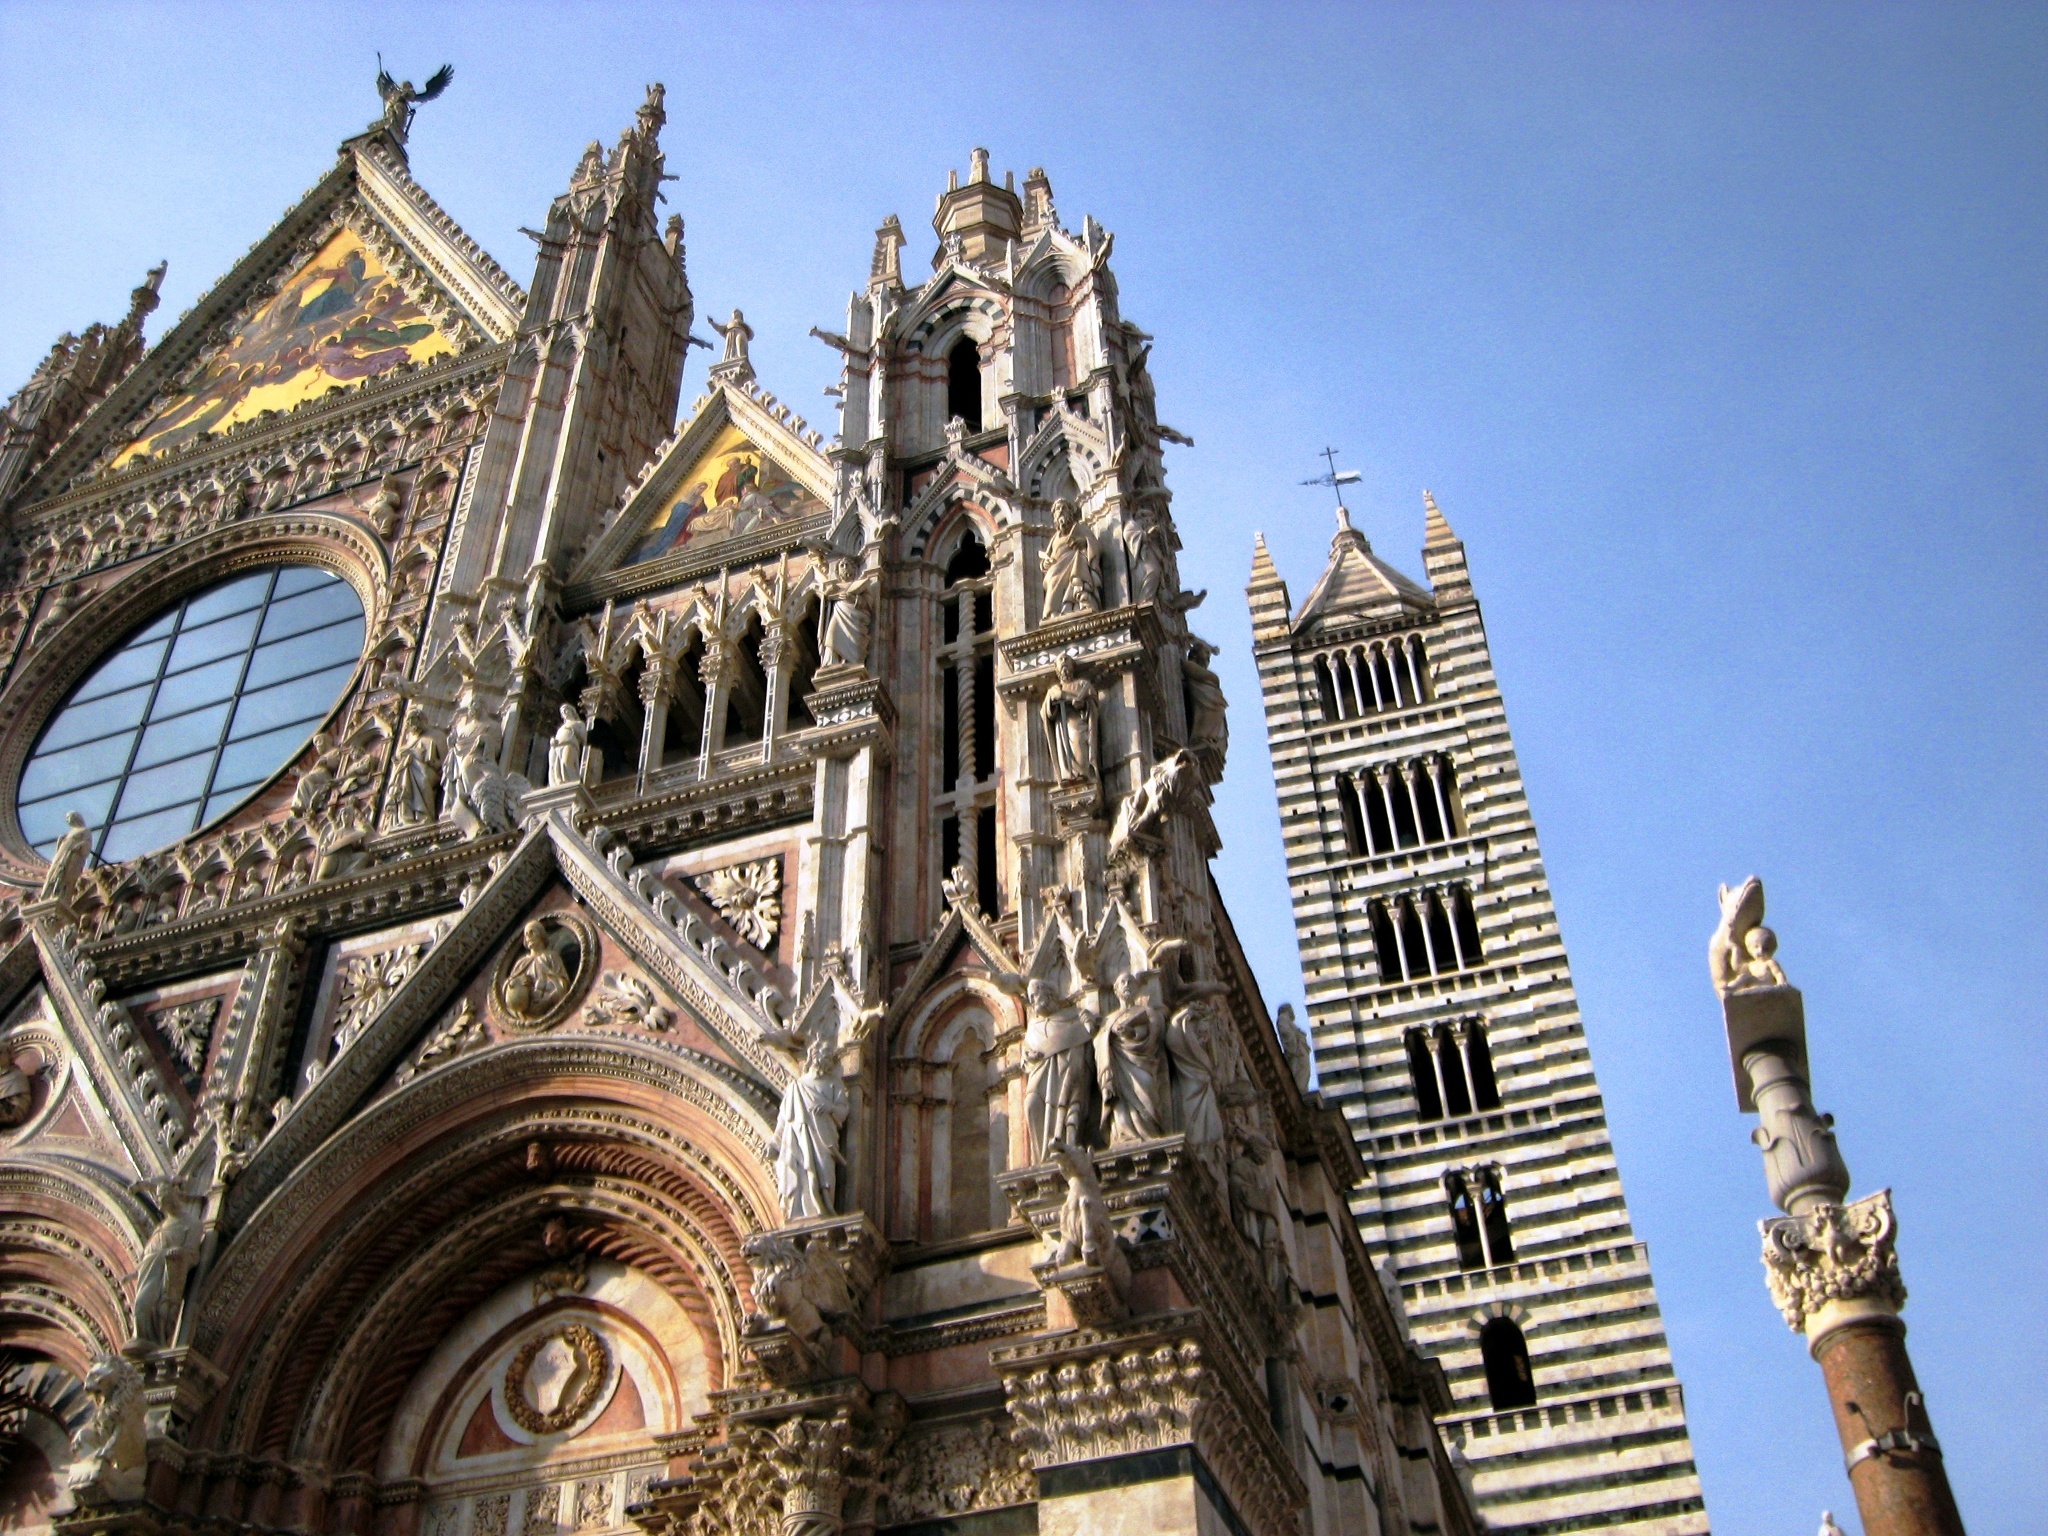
(966, 716)
(963, 383)
(1506, 1354)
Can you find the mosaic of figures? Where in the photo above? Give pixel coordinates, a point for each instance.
(339, 319)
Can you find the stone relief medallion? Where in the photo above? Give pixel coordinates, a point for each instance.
(548, 967)
(555, 1379)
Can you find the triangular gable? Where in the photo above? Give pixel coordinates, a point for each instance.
(742, 476)
(364, 276)
(601, 875)
(1357, 584)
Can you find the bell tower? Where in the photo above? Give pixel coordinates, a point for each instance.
(1445, 1026)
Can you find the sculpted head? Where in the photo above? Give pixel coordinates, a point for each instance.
(1040, 995)
(1760, 942)
(1065, 514)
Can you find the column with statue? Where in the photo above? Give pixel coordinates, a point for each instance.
(1832, 1263)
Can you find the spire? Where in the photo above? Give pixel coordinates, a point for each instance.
(887, 267)
(1348, 537)
(1267, 593)
(1443, 554)
(979, 219)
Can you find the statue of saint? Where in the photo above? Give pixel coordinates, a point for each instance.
(416, 771)
(1150, 562)
(1194, 1082)
(566, 751)
(166, 1260)
(67, 863)
(806, 1141)
(1069, 713)
(17, 1093)
(735, 333)
(1294, 1046)
(1072, 574)
(1131, 1064)
(847, 626)
(1208, 716)
(538, 979)
(1057, 1069)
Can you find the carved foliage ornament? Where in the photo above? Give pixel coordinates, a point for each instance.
(1833, 1253)
(555, 1379)
(749, 896)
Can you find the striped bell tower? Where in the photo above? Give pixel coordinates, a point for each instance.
(1441, 1008)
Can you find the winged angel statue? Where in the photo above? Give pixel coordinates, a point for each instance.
(401, 100)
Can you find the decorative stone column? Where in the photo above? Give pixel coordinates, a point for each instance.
(1832, 1267)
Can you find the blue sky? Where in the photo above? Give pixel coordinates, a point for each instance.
(1718, 333)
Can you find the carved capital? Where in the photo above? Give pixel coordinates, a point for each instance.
(1089, 1394)
(1834, 1263)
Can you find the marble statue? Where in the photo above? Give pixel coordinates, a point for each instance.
(847, 625)
(799, 1285)
(1072, 573)
(1208, 712)
(166, 1260)
(538, 979)
(735, 333)
(1086, 1235)
(567, 749)
(17, 1093)
(806, 1141)
(415, 773)
(1057, 1068)
(1196, 1105)
(1152, 801)
(1294, 1046)
(1742, 954)
(1150, 562)
(109, 1451)
(1069, 712)
(476, 793)
(67, 863)
(1131, 1064)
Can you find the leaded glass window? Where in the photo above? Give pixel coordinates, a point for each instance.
(194, 712)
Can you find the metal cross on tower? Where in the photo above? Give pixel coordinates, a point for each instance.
(1335, 478)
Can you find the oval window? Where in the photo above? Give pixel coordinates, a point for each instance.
(194, 712)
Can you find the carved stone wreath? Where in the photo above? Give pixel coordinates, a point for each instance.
(593, 1365)
(528, 994)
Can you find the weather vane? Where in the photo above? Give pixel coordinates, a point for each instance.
(1336, 479)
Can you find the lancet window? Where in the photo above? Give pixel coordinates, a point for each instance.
(1425, 932)
(1399, 805)
(1360, 680)
(952, 1131)
(1505, 1353)
(1451, 1067)
(963, 383)
(966, 665)
(1479, 1217)
(746, 698)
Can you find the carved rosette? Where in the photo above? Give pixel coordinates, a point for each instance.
(1834, 1255)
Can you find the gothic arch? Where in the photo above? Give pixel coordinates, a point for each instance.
(341, 1283)
(68, 1251)
(939, 525)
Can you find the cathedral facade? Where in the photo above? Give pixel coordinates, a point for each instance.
(572, 965)
(1445, 1026)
